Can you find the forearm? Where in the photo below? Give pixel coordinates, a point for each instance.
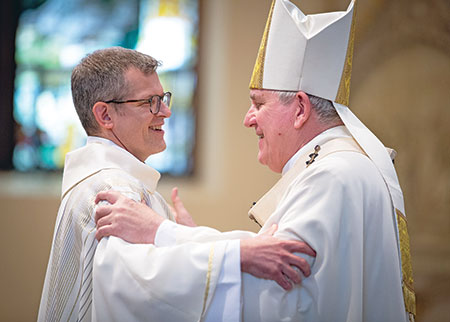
(168, 283)
(170, 233)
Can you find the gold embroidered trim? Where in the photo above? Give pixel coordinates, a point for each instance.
(343, 94)
(208, 276)
(407, 283)
(256, 81)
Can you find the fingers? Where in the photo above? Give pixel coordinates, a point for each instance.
(300, 263)
(288, 276)
(103, 231)
(101, 212)
(174, 194)
(172, 210)
(294, 246)
(283, 282)
(103, 221)
(176, 201)
(110, 196)
(294, 275)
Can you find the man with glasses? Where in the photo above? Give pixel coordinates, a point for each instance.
(122, 106)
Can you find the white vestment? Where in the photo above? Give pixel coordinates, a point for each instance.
(341, 207)
(116, 281)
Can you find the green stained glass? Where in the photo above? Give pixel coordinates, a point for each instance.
(53, 37)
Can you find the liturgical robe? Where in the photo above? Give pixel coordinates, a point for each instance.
(341, 207)
(116, 281)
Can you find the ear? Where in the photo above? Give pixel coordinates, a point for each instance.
(303, 109)
(102, 115)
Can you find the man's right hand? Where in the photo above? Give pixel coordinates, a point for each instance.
(265, 256)
(125, 218)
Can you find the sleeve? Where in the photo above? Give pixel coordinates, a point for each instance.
(226, 301)
(170, 233)
(315, 209)
(225, 304)
(139, 282)
(185, 281)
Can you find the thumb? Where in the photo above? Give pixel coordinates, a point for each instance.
(176, 201)
(108, 195)
(174, 195)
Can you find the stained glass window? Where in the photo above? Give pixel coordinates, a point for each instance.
(52, 38)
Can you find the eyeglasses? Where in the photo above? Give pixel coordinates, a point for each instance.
(154, 102)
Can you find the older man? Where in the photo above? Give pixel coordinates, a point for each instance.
(122, 106)
(339, 191)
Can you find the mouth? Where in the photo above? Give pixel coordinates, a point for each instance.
(156, 128)
(260, 135)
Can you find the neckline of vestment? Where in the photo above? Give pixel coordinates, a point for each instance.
(327, 135)
(99, 154)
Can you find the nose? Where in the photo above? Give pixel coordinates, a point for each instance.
(164, 111)
(250, 117)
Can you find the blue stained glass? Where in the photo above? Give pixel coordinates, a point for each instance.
(52, 39)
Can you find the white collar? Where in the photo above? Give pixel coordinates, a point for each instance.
(100, 153)
(332, 133)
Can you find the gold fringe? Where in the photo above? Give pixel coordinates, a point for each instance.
(208, 277)
(256, 81)
(407, 283)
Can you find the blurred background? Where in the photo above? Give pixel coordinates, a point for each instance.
(400, 89)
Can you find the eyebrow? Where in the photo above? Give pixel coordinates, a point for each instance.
(255, 97)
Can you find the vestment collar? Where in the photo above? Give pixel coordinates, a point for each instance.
(330, 134)
(99, 154)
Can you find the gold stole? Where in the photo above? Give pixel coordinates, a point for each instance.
(265, 207)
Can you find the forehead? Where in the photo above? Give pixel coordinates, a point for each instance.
(140, 83)
(262, 95)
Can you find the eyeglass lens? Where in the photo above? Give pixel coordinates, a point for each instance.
(155, 104)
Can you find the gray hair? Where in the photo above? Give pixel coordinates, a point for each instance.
(100, 76)
(323, 107)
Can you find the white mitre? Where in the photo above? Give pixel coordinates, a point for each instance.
(305, 52)
(313, 53)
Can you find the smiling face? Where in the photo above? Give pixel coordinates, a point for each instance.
(135, 128)
(274, 124)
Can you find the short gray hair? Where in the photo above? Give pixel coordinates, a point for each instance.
(323, 107)
(100, 76)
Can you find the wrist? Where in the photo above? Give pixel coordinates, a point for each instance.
(243, 252)
(155, 225)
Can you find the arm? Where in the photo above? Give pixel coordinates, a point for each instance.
(135, 281)
(263, 256)
(333, 207)
(300, 215)
(132, 282)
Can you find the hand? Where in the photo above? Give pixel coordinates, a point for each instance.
(265, 256)
(182, 216)
(125, 218)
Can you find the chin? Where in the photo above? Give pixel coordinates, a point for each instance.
(273, 167)
(160, 149)
(261, 161)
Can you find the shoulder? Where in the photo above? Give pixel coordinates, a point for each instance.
(345, 166)
(340, 172)
(117, 177)
(110, 179)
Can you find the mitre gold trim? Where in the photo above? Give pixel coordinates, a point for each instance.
(343, 94)
(256, 81)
